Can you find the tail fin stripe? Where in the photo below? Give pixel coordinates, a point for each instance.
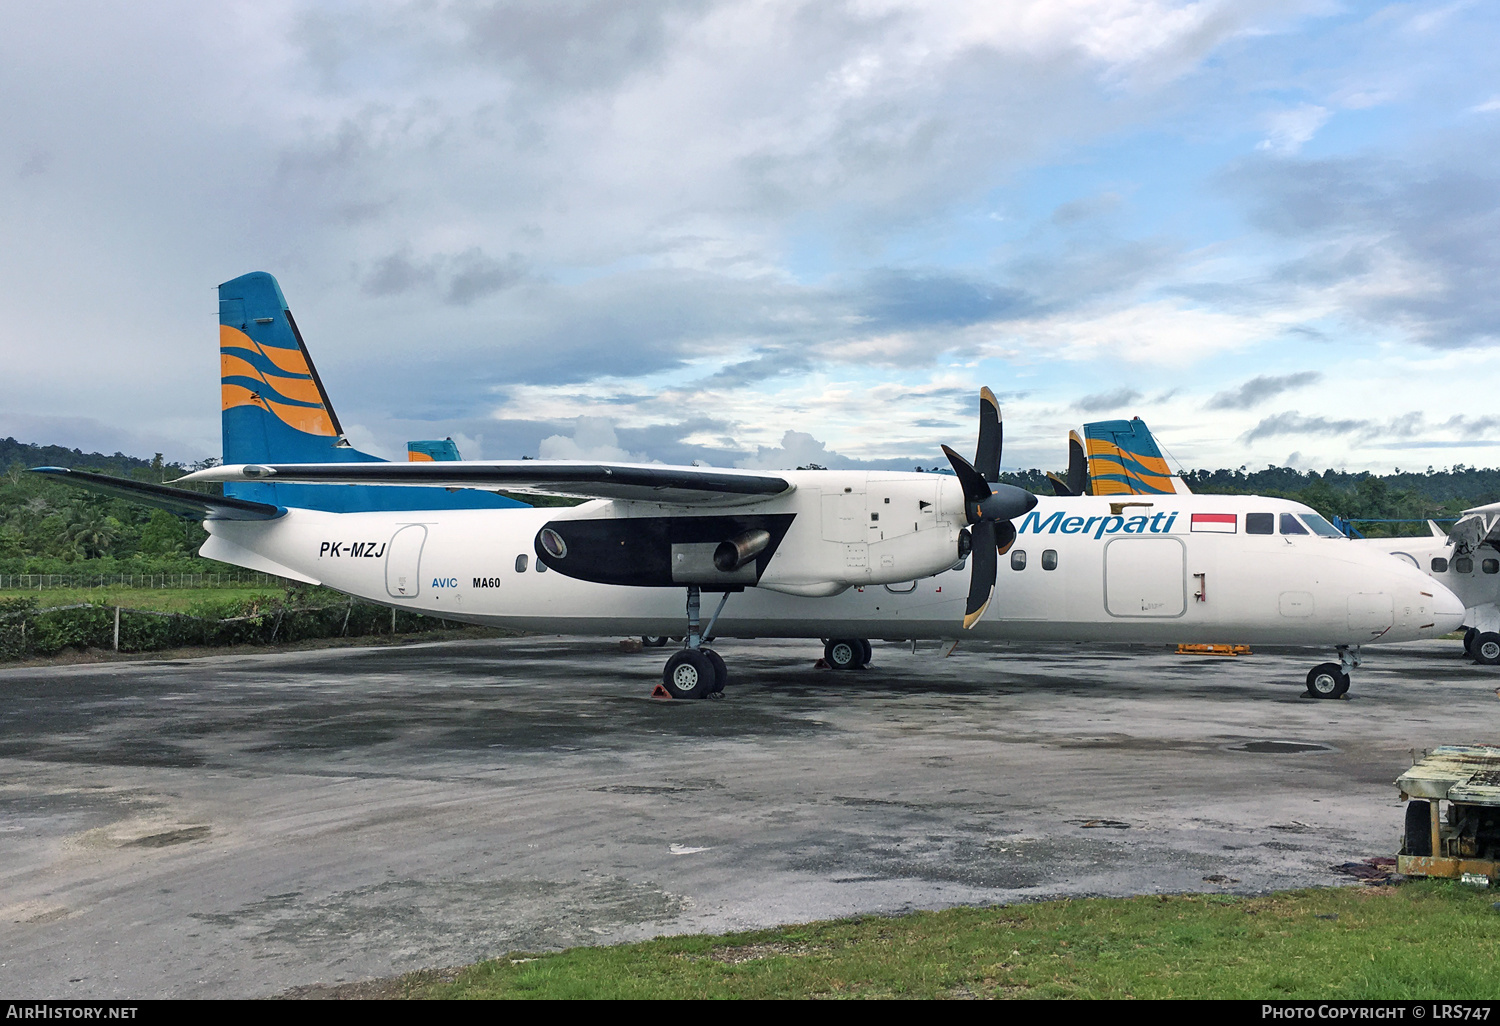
(269, 391)
(262, 365)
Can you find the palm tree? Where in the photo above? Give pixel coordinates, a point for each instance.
(91, 533)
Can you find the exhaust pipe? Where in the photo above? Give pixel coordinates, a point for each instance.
(741, 549)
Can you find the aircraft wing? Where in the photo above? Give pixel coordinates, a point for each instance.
(636, 482)
(1477, 526)
(174, 500)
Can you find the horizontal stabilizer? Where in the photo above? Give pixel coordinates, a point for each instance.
(175, 500)
(225, 551)
(635, 482)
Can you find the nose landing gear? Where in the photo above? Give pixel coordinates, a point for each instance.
(1331, 680)
(695, 671)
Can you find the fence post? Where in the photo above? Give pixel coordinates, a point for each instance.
(393, 619)
(117, 628)
(345, 632)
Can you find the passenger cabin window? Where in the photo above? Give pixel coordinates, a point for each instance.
(1018, 559)
(1049, 559)
(521, 563)
(1291, 525)
(1463, 565)
(1439, 565)
(1490, 566)
(541, 567)
(1260, 523)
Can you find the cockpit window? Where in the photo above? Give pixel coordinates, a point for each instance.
(1320, 527)
(1291, 525)
(1260, 523)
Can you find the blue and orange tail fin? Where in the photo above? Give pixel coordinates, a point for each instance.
(1125, 460)
(276, 410)
(441, 451)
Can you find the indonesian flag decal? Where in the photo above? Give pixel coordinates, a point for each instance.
(1216, 523)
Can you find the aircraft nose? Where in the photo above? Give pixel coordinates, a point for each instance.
(1448, 609)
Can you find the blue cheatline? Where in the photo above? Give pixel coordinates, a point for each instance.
(275, 410)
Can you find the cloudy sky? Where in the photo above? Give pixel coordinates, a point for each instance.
(764, 232)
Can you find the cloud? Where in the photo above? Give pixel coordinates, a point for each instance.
(593, 438)
(797, 449)
(1290, 129)
(1406, 246)
(1292, 423)
(462, 278)
(1102, 402)
(1259, 389)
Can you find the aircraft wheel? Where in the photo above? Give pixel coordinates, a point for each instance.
(842, 654)
(867, 652)
(653, 640)
(689, 674)
(1487, 648)
(1327, 680)
(1418, 828)
(721, 672)
(1469, 635)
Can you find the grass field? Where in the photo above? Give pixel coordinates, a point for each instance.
(170, 600)
(1421, 940)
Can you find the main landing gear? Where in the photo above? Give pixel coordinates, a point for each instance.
(1331, 680)
(695, 671)
(847, 653)
(1482, 646)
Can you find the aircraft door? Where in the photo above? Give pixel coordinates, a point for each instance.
(1145, 577)
(403, 562)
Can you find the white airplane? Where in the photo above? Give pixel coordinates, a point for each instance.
(840, 555)
(1122, 458)
(1466, 559)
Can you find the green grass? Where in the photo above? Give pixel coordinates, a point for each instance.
(163, 600)
(1421, 940)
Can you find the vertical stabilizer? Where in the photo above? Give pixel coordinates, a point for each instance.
(276, 410)
(441, 451)
(1125, 460)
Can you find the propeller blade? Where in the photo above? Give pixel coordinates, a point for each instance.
(1059, 486)
(1078, 466)
(991, 435)
(984, 561)
(1005, 536)
(976, 488)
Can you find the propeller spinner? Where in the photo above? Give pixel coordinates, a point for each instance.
(989, 506)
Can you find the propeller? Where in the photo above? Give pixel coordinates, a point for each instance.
(1077, 482)
(989, 506)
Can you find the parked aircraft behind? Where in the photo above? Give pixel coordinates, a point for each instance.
(841, 555)
(1465, 559)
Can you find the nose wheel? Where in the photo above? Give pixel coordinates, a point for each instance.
(1331, 680)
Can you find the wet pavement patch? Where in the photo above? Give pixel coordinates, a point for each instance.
(1280, 747)
(167, 838)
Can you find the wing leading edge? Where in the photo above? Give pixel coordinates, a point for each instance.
(637, 482)
(174, 500)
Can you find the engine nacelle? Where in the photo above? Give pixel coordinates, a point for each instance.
(838, 529)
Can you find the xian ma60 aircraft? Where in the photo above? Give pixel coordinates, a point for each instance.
(842, 555)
